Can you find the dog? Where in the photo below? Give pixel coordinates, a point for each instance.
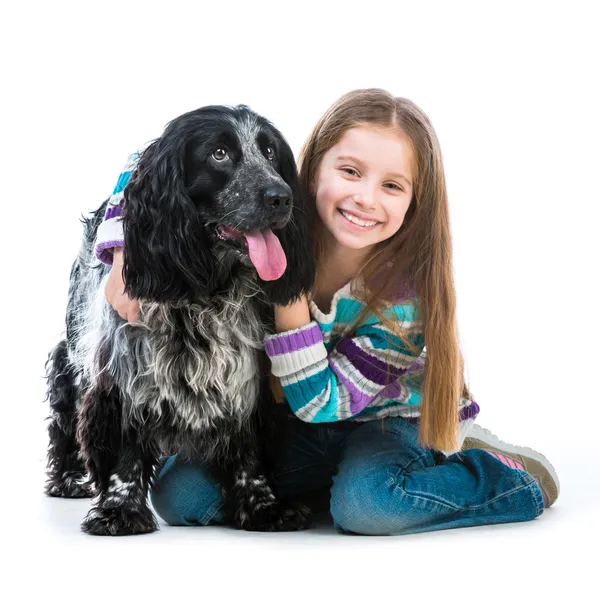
(216, 231)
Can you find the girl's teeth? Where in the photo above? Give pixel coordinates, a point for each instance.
(358, 221)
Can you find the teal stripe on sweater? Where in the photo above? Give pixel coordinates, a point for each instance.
(348, 309)
(326, 327)
(328, 412)
(122, 182)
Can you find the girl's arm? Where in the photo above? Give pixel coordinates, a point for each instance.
(321, 387)
(292, 316)
(110, 231)
(114, 291)
(109, 247)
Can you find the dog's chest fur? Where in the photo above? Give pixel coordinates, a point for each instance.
(185, 368)
(205, 359)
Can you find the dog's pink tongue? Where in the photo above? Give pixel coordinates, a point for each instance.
(266, 254)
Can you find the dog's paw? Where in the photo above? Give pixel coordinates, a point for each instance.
(119, 521)
(274, 516)
(70, 485)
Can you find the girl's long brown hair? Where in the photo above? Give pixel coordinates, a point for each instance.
(419, 254)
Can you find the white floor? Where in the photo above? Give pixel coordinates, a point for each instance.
(48, 556)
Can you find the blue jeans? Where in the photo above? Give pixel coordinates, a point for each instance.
(373, 477)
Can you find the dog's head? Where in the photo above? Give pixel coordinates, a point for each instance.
(215, 195)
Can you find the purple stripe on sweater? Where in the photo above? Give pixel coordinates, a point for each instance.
(103, 253)
(373, 368)
(113, 211)
(392, 390)
(466, 413)
(358, 399)
(298, 340)
(469, 412)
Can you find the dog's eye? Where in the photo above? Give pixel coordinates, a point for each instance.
(270, 153)
(220, 154)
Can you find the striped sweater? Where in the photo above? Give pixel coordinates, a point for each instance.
(367, 376)
(371, 375)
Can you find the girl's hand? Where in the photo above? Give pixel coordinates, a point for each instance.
(292, 316)
(127, 307)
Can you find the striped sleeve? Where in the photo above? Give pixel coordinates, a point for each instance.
(326, 387)
(110, 231)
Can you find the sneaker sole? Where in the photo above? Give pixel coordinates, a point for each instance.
(492, 442)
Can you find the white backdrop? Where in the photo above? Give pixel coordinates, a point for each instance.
(511, 88)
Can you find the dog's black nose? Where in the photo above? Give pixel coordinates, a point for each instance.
(277, 197)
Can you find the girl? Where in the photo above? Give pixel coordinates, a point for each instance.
(369, 363)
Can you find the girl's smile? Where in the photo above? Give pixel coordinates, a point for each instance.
(353, 220)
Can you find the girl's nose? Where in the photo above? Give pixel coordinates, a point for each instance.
(366, 199)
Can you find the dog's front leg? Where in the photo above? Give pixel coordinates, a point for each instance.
(122, 506)
(121, 466)
(250, 500)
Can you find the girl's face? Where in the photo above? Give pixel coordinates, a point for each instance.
(364, 186)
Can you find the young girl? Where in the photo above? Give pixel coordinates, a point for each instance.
(370, 362)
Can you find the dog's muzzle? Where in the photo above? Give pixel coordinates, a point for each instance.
(264, 247)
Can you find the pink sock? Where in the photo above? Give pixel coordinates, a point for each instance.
(509, 462)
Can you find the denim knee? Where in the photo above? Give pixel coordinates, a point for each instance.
(359, 500)
(387, 501)
(184, 494)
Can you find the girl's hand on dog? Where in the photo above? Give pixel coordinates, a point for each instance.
(127, 307)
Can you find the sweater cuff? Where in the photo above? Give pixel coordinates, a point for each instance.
(292, 351)
(108, 236)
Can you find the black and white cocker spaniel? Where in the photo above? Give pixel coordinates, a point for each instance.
(216, 231)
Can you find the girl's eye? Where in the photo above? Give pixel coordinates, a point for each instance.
(220, 154)
(270, 153)
(396, 187)
(349, 170)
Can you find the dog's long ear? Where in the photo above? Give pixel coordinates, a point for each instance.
(296, 239)
(166, 254)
